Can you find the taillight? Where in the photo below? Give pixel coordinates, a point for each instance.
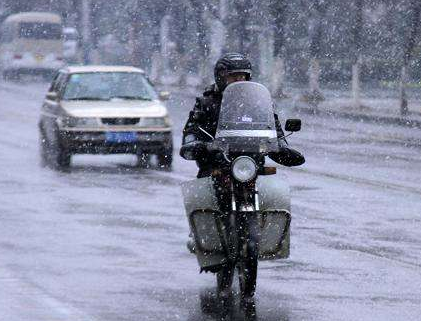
(17, 56)
(59, 58)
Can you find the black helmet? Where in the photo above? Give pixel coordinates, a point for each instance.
(228, 64)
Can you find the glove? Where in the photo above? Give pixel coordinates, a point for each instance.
(287, 157)
(193, 150)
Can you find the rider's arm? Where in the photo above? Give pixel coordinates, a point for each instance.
(191, 130)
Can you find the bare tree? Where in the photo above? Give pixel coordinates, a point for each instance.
(135, 29)
(86, 8)
(357, 51)
(317, 13)
(410, 42)
(243, 9)
(278, 9)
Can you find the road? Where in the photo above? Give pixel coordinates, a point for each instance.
(106, 241)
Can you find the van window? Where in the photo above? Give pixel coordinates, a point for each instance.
(31, 30)
(6, 33)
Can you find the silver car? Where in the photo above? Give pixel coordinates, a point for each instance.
(104, 110)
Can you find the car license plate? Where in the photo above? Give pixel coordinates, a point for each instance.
(120, 137)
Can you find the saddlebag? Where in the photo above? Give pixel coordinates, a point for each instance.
(208, 230)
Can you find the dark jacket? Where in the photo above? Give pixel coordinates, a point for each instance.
(205, 114)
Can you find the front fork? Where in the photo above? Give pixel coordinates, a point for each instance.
(242, 228)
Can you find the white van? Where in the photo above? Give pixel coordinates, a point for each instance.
(31, 42)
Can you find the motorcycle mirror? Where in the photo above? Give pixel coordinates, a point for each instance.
(293, 125)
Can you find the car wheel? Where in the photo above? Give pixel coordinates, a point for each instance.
(165, 159)
(143, 160)
(12, 75)
(62, 157)
(43, 149)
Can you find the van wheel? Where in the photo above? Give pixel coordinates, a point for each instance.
(11, 75)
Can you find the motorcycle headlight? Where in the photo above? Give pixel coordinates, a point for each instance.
(79, 122)
(244, 169)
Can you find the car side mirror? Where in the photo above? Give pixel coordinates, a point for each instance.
(52, 96)
(164, 95)
(293, 125)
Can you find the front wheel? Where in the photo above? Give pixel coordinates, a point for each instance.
(63, 157)
(224, 278)
(165, 159)
(247, 275)
(247, 265)
(143, 160)
(43, 149)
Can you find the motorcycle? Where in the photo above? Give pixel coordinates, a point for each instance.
(241, 213)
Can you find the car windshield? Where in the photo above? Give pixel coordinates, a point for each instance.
(44, 30)
(109, 85)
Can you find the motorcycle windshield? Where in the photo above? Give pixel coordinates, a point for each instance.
(246, 119)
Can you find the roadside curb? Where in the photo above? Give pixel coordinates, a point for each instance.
(380, 119)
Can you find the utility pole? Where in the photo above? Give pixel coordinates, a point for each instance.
(86, 30)
(357, 52)
(410, 42)
(278, 10)
(317, 13)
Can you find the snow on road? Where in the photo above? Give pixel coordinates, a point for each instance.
(106, 241)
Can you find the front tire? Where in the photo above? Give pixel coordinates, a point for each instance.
(11, 75)
(63, 158)
(165, 159)
(247, 276)
(60, 154)
(143, 160)
(224, 279)
(43, 150)
(247, 265)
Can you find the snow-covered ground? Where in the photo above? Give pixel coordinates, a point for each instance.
(106, 241)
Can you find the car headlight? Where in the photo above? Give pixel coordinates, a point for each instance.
(244, 169)
(79, 122)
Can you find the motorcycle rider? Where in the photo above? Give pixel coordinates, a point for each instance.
(201, 127)
(229, 68)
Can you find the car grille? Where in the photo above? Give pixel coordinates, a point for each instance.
(120, 121)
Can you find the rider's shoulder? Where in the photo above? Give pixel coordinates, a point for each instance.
(209, 96)
(210, 90)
